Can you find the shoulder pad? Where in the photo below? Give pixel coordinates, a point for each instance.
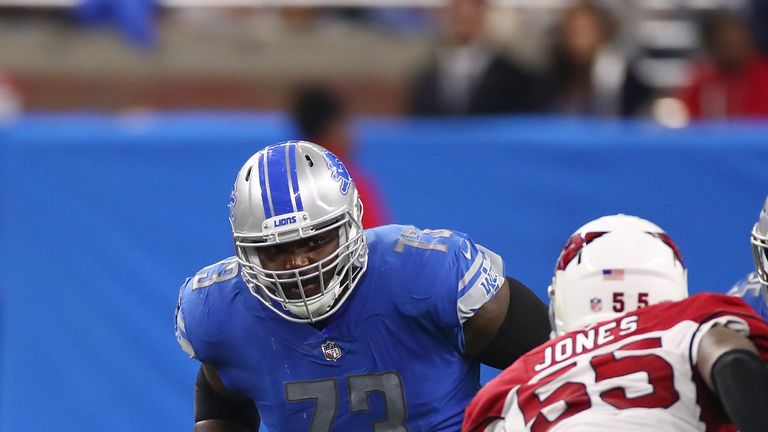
(199, 294)
(219, 272)
(181, 327)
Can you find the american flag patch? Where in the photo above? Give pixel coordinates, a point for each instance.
(613, 274)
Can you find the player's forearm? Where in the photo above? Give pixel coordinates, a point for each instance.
(525, 326)
(220, 426)
(221, 410)
(740, 378)
(730, 365)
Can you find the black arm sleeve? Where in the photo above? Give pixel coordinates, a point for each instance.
(740, 378)
(525, 327)
(213, 405)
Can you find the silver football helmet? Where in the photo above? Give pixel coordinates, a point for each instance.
(760, 245)
(287, 192)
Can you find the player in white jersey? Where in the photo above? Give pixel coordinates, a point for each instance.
(613, 364)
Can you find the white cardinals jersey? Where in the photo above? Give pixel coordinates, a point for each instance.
(633, 373)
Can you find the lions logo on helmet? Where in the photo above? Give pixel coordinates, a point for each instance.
(339, 172)
(281, 195)
(232, 203)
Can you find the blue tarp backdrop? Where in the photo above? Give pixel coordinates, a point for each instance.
(102, 218)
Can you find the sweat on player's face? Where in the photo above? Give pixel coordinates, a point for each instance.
(296, 261)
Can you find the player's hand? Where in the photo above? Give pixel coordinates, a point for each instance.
(219, 426)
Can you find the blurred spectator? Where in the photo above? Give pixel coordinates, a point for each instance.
(136, 18)
(407, 20)
(733, 80)
(759, 19)
(468, 75)
(322, 118)
(590, 75)
(10, 97)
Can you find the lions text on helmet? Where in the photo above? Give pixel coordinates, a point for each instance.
(297, 224)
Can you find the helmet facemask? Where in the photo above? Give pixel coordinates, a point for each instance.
(331, 278)
(760, 253)
(760, 245)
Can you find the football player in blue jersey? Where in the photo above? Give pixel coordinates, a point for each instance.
(753, 289)
(318, 325)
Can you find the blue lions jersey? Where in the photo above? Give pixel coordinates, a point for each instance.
(391, 356)
(751, 291)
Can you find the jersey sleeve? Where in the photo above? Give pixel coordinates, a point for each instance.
(751, 290)
(180, 325)
(738, 289)
(455, 276)
(735, 314)
(487, 407)
(201, 309)
(480, 280)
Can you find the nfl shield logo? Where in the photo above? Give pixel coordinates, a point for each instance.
(595, 304)
(331, 351)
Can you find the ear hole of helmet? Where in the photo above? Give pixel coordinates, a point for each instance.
(248, 173)
(554, 323)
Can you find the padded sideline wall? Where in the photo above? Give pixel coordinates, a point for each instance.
(102, 218)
